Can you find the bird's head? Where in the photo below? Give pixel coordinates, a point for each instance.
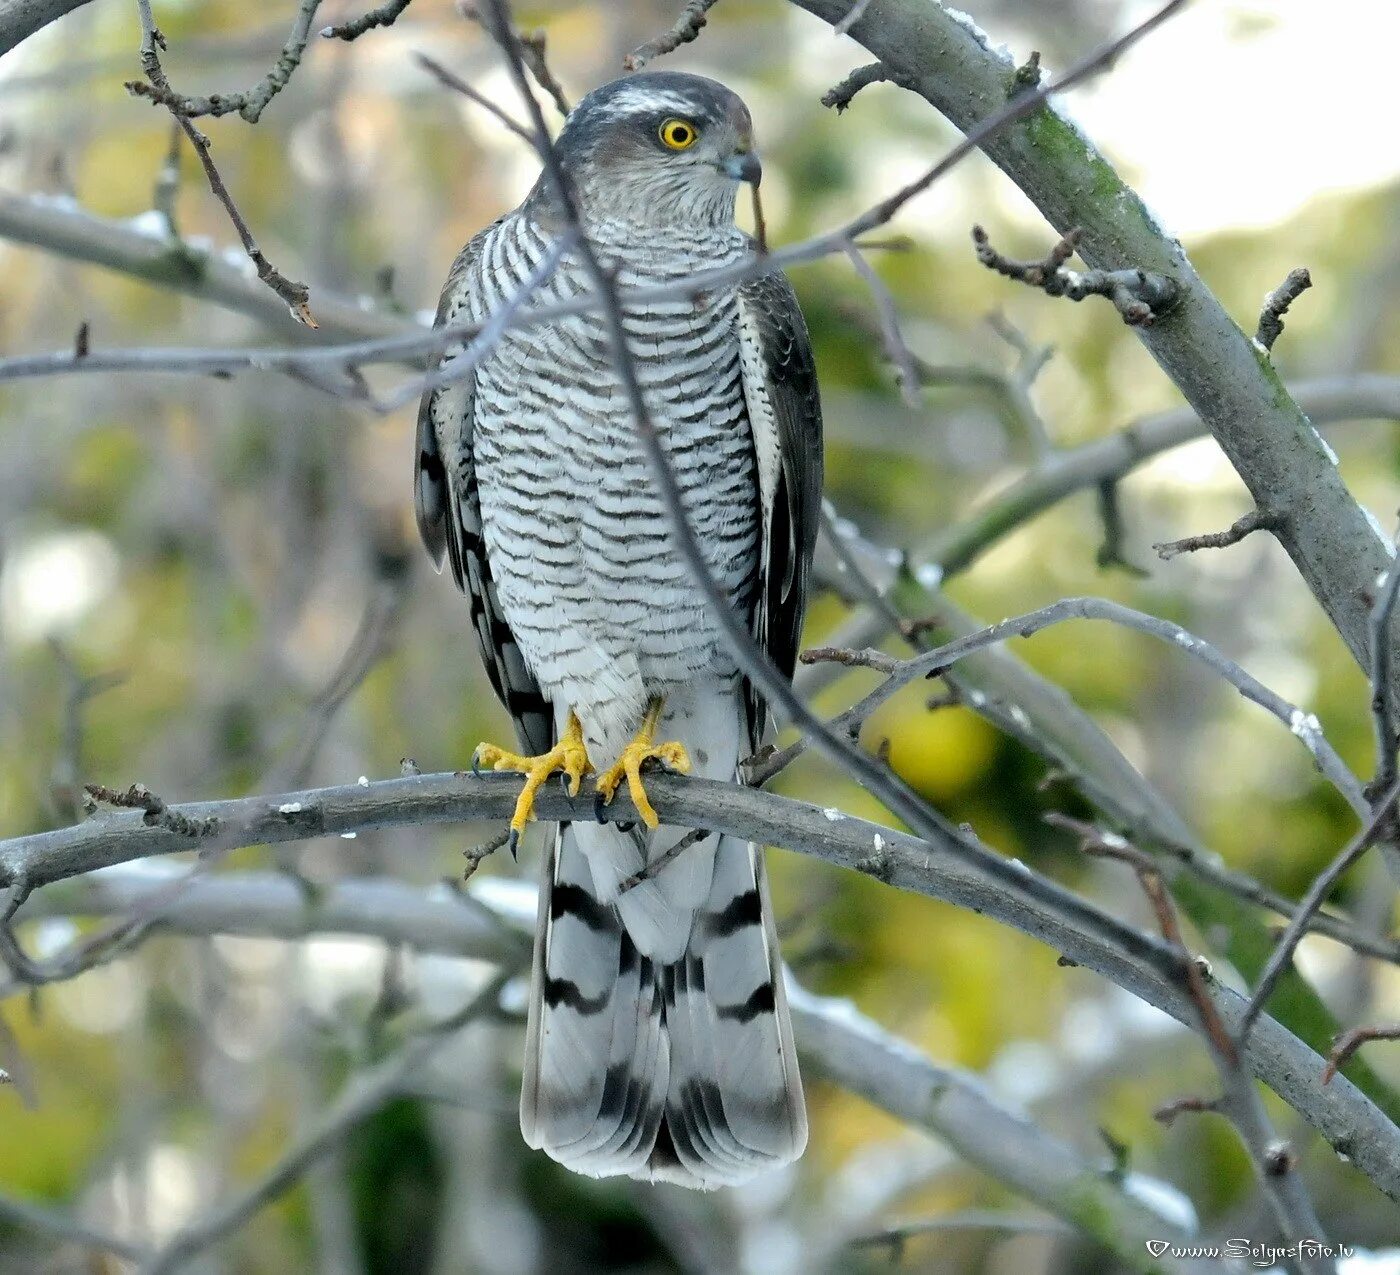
(661, 147)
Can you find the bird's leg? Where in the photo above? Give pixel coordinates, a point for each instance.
(641, 750)
(568, 757)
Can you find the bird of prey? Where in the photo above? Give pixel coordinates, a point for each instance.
(658, 1042)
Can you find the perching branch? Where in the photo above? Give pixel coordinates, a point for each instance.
(837, 1040)
(951, 866)
(1139, 296)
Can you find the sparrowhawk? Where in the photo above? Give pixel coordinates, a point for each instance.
(658, 1042)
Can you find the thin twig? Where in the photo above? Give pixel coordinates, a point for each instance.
(361, 1098)
(687, 27)
(653, 866)
(294, 294)
(1322, 885)
(896, 348)
(1276, 305)
(1109, 845)
(856, 13)
(250, 103)
(1140, 296)
(1349, 1042)
(384, 15)
(1254, 520)
(533, 50)
(840, 96)
(1240, 1104)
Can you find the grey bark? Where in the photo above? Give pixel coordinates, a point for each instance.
(19, 19)
(1080, 931)
(1231, 384)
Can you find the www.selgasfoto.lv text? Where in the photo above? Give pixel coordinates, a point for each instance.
(1252, 1251)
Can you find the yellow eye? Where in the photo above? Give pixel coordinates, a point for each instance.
(678, 134)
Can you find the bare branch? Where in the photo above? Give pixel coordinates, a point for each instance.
(1304, 727)
(687, 28)
(1139, 296)
(384, 15)
(1282, 955)
(1240, 1104)
(532, 51)
(1254, 520)
(1382, 705)
(1349, 1042)
(1276, 306)
(967, 876)
(250, 103)
(1217, 367)
(19, 21)
(840, 96)
(896, 348)
(361, 1098)
(1168, 1112)
(294, 294)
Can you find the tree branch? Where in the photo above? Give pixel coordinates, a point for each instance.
(951, 866)
(1276, 305)
(250, 103)
(687, 28)
(955, 1106)
(365, 1093)
(1139, 296)
(19, 19)
(1230, 383)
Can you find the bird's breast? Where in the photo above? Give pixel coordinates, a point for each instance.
(576, 525)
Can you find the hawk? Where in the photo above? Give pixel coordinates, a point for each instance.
(658, 1042)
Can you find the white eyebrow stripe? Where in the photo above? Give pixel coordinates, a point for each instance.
(638, 101)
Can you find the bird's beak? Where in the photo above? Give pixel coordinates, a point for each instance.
(743, 166)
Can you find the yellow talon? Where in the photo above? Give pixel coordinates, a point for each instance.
(642, 749)
(568, 757)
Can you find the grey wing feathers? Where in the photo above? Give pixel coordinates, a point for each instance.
(780, 387)
(449, 515)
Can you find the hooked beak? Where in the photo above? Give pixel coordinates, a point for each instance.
(743, 166)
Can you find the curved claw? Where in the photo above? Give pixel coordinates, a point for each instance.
(513, 845)
(569, 757)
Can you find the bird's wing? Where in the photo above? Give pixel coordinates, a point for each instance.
(449, 512)
(780, 390)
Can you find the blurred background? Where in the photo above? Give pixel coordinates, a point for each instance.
(213, 587)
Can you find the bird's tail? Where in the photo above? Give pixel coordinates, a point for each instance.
(681, 1070)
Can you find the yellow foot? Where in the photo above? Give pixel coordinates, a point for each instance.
(568, 757)
(641, 750)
